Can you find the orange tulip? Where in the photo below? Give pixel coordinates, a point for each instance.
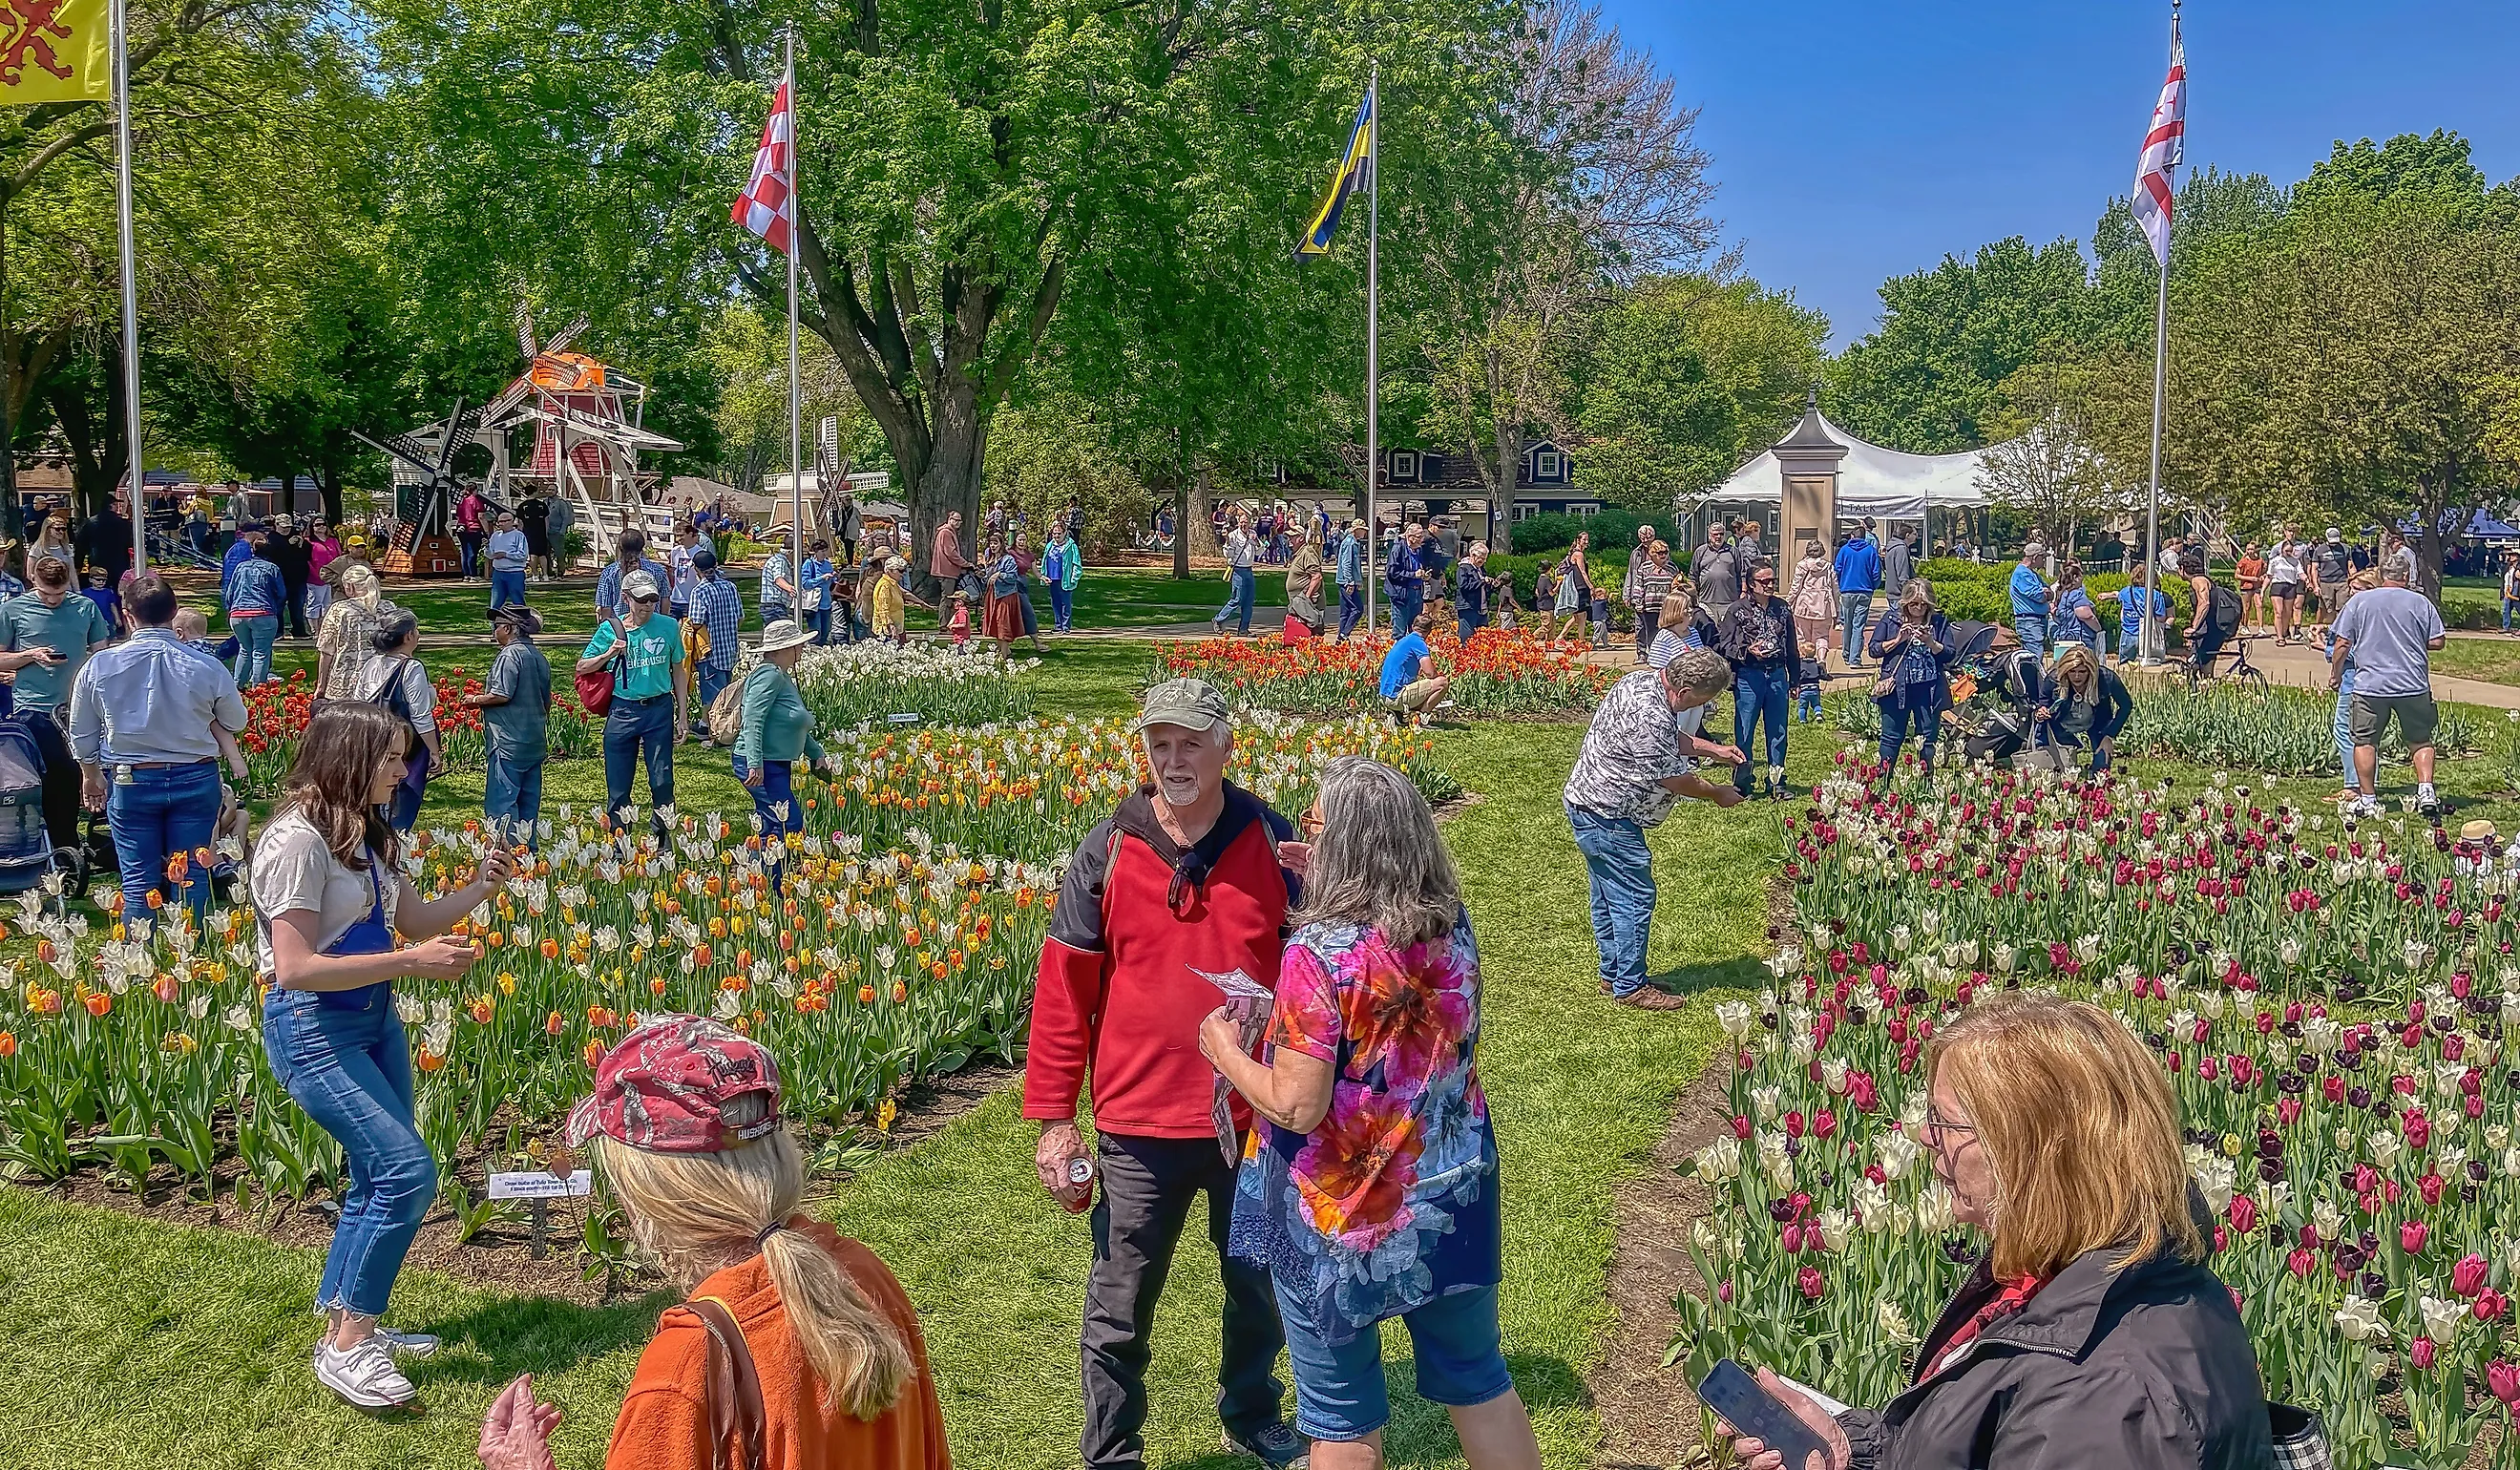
(8, 1045)
(99, 1002)
(554, 1024)
(165, 988)
(866, 995)
(593, 1054)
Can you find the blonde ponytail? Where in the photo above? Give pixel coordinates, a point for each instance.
(696, 1214)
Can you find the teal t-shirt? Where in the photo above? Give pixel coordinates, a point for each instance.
(71, 630)
(648, 669)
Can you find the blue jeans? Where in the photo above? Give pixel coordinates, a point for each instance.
(707, 684)
(1339, 1392)
(2345, 722)
(819, 621)
(1760, 692)
(1406, 604)
(775, 806)
(154, 816)
(2507, 605)
(255, 637)
(512, 789)
(342, 1057)
(1854, 614)
(1897, 721)
(1470, 625)
(507, 587)
(1238, 601)
(633, 728)
(1621, 866)
(1351, 608)
(1032, 619)
(1063, 606)
(469, 553)
(2034, 633)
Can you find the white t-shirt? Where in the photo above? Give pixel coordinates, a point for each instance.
(2284, 565)
(292, 871)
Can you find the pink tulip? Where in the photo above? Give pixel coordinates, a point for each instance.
(2469, 1276)
(2505, 1380)
(1811, 1283)
(2244, 1214)
(1793, 1242)
(2421, 1354)
(2491, 1305)
(2301, 1263)
(2411, 1236)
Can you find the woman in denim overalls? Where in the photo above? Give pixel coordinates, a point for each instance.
(328, 1023)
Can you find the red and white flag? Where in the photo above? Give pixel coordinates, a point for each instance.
(2161, 153)
(767, 207)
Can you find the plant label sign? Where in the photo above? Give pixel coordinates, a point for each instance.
(539, 1184)
(904, 719)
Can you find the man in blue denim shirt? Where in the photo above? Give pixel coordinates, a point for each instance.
(140, 726)
(1350, 577)
(2030, 599)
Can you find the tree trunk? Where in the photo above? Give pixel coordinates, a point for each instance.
(1500, 488)
(1175, 487)
(949, 478)
(1197, 532)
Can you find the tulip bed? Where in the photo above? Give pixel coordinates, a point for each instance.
(848, 685)
(902, 945)
(2329, 1002)
(2280, 730)
(1497, 674)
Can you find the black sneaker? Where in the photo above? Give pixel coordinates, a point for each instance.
(1277, 1447)
(2429, 808)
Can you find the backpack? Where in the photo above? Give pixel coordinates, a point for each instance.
(2227, 607)
(726, 711)
(393, 698)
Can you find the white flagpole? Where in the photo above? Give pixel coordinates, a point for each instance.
(138, 505)
(2155, 636)
(1373, 329)
(795, 383)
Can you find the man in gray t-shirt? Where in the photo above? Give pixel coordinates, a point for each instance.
(2390, 633)
(516, 719)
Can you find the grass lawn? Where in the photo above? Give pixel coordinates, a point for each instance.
(2493, 659)
(127, 1342)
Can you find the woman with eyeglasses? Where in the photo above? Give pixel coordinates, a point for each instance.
(2092, 1335)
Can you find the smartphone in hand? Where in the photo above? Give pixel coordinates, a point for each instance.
(1739, 1401)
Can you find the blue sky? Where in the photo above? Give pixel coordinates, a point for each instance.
(1857, 141)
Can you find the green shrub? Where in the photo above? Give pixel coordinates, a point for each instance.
(1609, 527)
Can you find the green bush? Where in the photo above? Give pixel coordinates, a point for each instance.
(1609, 527)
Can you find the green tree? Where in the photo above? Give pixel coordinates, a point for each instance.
(1687, 379)
(1929, 379)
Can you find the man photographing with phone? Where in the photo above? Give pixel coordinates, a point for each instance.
(48, 632)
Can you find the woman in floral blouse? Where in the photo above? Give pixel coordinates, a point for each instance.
(1369, 1185)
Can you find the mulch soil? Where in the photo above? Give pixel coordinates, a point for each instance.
(498, 1257)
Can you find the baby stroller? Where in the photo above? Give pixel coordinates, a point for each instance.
(1999, 734)
(25, 845)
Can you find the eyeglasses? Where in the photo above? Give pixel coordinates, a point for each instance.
(1935, 1128)
(1310, 823)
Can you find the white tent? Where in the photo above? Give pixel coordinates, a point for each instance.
(1883, 483)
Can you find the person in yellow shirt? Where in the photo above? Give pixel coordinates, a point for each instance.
(889, 622)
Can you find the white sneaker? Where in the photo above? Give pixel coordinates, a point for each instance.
(2363, 806)
(406, 1343)
(364, 1376)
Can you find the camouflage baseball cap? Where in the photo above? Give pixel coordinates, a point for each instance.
(1191, 704)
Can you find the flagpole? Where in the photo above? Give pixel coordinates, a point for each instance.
(138, 503)
(1373, 330)
(795, 381)
(2156, 636)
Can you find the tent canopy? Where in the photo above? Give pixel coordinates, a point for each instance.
(1883, 483)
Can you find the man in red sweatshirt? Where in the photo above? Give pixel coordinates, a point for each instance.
(1190, 879)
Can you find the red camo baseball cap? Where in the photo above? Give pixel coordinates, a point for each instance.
(664, 1088)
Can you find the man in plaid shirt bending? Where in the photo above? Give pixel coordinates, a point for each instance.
(718, 607)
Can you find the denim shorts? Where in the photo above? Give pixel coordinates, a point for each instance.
(1339, 1392)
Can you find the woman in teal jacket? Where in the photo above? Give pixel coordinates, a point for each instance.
(1062, 563)
(777, 732)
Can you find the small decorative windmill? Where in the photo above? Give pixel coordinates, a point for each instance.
(428, 491)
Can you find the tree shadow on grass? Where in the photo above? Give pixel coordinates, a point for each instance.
(496, 1340)
(1421, 1433)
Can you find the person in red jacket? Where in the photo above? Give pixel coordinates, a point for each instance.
(1179, 899)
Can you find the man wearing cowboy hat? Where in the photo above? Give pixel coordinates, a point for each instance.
(516, 719)
(777, 732)
(1186, 880)
(778, 576)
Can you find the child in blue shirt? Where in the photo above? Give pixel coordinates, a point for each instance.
(2131, 618)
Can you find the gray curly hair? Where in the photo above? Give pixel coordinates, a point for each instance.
(1379, 861)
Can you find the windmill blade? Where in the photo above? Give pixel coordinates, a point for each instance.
(403, 447)
(526, 330)
(459, 432)
(567, 334)
(503, 405)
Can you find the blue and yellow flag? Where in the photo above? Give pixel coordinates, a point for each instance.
(55, 51)
(1356, 168)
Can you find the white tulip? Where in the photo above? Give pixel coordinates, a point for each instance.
(2359, 1319)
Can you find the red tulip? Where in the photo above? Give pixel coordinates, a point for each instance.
(2244, 1214)
(2504, 1379)
(2490, 1306)
(2411, 1236)
(2469, 1276)
(1811, 1283)
(2301, 1263)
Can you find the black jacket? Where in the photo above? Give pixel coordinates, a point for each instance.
(2144, 1369)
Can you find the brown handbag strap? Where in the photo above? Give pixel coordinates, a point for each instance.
(736, 1412)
